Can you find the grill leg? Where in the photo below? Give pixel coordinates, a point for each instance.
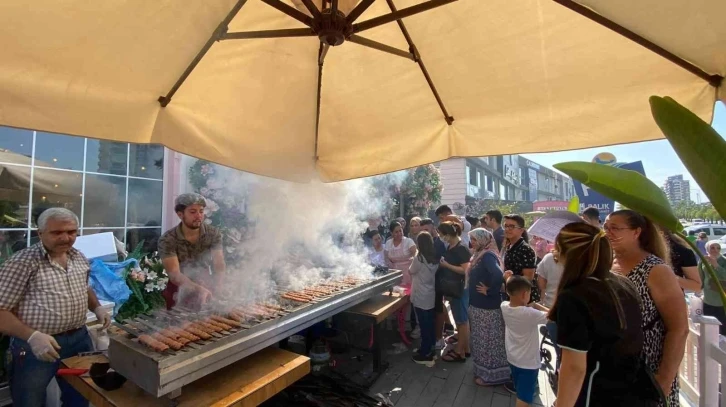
(376, 350)
(173, 396)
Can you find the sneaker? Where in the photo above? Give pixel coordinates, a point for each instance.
(416, 333)
(423, 360)
(509, 386)
(440, 344)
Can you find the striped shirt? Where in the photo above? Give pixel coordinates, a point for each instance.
(41, 293)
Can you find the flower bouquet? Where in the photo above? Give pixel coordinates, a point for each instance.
(147, 282)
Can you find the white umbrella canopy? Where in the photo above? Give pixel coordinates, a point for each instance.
(512, 76)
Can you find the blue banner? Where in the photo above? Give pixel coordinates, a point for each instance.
(590, 198)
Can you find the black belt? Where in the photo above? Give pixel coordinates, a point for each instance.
(69, 332)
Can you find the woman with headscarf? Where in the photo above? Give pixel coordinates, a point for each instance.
(485, 314)
(414, 228)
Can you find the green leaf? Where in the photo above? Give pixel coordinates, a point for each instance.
(630, 188)
(574, 205)
(697, 144)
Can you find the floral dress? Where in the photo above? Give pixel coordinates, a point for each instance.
(654, 329)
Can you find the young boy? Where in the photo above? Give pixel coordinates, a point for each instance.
(522, 337)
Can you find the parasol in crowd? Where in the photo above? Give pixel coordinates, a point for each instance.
(339, 89)
(549, 226)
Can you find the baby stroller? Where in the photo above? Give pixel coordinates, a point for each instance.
(546, 356)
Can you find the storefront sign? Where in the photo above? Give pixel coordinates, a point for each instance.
(547, 206)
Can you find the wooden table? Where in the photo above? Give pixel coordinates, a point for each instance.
(374, 311)
(248, 382)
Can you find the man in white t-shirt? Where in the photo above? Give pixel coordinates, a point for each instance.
(522, 337)
(550, 272)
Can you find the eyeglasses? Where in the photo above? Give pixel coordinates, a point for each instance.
(510, 227)
(613, 229)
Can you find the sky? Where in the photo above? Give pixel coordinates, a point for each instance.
(659, 159)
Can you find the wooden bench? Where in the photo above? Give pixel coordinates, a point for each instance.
(248, 382)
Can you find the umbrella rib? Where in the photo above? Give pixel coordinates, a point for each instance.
(284, 33)
(358, 10)
(397, 15)
(449, 119)
(357, 39)
(290, 11)
(322, 52)
(311, 8)
(216, 35)
(713, 80)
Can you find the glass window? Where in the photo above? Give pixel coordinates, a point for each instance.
(719, 231)
(146, 160)
(105, 200)
(18, 143)
(12, 241)
(15, 187)
(58, 151)
(147, 237)
(53, 188)
(106, 157)
(144, 207)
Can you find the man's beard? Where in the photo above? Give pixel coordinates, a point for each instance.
(192, 225)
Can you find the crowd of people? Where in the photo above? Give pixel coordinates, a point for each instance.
(609, 291)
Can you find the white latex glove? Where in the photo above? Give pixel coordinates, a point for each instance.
(44, 347)
(102, 316)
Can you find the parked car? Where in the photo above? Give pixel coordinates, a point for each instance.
(713, 231)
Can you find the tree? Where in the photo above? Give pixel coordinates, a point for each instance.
(417, 189)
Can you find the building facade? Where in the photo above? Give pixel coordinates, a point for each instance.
(510, 178)
(111, 187)
(493, 177)
(677, 189)
(545, 184)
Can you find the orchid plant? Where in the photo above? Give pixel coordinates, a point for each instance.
(147, 281)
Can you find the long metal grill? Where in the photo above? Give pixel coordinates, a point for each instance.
(166, 350)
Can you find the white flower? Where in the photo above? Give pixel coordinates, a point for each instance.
(163, 273)
(161, 284)
(148, 262)
(149, 287)
(211, 206)
(151, 275)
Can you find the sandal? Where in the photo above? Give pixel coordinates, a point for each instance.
(481, 383)
(452, 340)
(452, 356)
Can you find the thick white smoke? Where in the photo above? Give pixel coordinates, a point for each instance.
(299, 234)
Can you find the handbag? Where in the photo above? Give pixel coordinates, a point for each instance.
(449, 283)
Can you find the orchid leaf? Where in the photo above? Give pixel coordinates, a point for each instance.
(697, 144)
(630, 188)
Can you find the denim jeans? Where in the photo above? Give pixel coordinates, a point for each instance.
(29, 376)
(426, 322)
(552, 330)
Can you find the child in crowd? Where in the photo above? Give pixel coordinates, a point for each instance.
(424, 266)
(522, 337)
